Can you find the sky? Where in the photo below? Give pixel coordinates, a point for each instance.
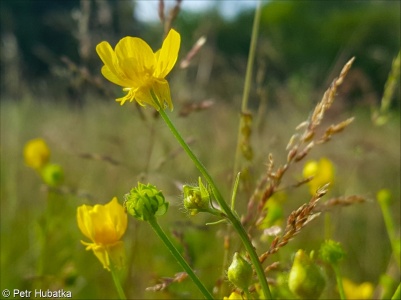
(147, 10)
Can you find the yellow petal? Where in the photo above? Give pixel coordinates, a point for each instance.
(143, 97)
(111, 69)
(116, 79)
(114, 253)
(36, 153)
(103, 230)
(168, 54)
(101, 253)
(107, 55)
(102, 224)
(84, 221)
(162, 91)
(117, 216)
(136, 60)
(109, 222)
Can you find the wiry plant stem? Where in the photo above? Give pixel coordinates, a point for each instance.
(223, 205)
(247, 84)
(160, 233)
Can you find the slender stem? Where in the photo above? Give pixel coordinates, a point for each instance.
(327, 226)
(397, 293)
(117, 283)
(219, 198)
(390, 227)
(159, 231)
(248, 79)
(339, 282)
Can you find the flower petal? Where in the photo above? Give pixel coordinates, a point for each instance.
(109, 75)
(136, 59)
(101, 253)
(107, 55)
(111, 69)
(162, 91)
(167, 55)
(143, 97)
(36, 153)
(84, 221)
(103, 229)
(117, 216)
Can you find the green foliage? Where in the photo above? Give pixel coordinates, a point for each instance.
(308, 36)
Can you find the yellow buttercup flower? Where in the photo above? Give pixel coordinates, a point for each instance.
(134, 66)
(322, 172)
(235, 296)
(357, 291)
(104, 225)
(36, 153)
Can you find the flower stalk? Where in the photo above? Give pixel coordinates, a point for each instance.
(161, 234)
(339, 280)
(117, 282)
(219, 198)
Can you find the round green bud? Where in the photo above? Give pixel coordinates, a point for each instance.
(384, 196)
(144, 202)
(52, 174)
(306, 279)
(240, 272)
(196, 198)
(331, 252)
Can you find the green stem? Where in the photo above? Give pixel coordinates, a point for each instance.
(219, 198)
(117, 283)
(248, 79)
(388, 220)
(160, 233)
(327, 226)
(397, 293)
(339, 282)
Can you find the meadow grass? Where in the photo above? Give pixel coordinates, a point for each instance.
(105, 149)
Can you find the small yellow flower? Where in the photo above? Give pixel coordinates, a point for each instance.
(322, 172)
(235, 296)
(36, 153)
(104, 225)
(357, 291)
(134, 66)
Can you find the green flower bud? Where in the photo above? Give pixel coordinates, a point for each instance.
(331, 252)
(240, 272)
(52, 174)
(306, 279)
(196, 198)
(384, 196)
(145, 202)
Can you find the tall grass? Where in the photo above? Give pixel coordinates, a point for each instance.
(103, 150)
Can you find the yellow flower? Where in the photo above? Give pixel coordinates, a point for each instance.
(104, 225)
(36, 153)
(322, 172)
(235, 296)
(134, 66)
(357, 291)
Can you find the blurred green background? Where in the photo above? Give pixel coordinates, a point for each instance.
(51, 88)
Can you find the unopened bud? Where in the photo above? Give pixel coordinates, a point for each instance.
(306, 279)
(52, 174)
(144, 202)
(240, 272)
(196, 198)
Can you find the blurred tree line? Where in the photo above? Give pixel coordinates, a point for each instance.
(302, 44)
